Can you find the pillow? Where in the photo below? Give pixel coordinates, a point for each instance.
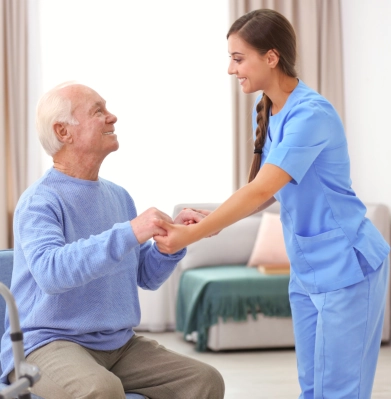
(269, 247)
(232, 246)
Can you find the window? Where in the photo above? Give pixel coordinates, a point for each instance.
(162, 68)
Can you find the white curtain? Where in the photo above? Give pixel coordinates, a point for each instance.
(19, 82)
(318, 29)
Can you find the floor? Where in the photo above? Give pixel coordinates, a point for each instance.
(265, 374)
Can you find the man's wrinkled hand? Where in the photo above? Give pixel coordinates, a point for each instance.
(144, 227)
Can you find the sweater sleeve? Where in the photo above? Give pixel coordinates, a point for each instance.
(155, 267)
(58, 266)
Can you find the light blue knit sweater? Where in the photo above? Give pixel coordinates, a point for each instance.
(77, 265)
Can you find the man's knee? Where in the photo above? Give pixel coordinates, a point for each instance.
(209, 381)
(217, 386)
(216, 383)
(105, 386)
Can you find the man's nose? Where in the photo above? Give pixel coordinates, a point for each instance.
(111, 118)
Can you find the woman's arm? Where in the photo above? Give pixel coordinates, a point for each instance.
(245, 201)
(265, 205)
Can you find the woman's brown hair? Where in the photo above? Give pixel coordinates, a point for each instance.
(266, 30)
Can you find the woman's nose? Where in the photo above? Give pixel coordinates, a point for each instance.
(231, 68)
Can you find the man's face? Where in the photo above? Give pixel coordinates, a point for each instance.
(94, 134)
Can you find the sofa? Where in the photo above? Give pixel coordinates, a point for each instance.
(232, 247)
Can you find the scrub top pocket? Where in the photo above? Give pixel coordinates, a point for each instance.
(331, 258)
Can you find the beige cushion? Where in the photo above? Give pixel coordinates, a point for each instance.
(269, 246)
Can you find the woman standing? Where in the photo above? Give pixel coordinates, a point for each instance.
(339, 262)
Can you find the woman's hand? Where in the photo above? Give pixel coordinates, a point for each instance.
(177, 236)
(190, 216)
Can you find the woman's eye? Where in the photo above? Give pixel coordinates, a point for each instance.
(237, 59)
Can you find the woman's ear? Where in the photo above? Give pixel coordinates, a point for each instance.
(62, 132)
(272, 58)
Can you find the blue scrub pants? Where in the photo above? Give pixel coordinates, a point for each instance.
(338, 335)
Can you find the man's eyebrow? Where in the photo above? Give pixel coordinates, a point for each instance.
(98, 104)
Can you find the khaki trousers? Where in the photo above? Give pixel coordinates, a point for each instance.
(70, 371)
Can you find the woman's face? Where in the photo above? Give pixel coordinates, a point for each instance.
(252, 69)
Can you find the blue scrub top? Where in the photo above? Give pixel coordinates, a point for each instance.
(323, 220)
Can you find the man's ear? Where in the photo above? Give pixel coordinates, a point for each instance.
(62, 132)
(272, 58)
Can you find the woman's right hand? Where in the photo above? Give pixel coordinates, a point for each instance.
(177, 236)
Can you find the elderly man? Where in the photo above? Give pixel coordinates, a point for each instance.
(81, 251)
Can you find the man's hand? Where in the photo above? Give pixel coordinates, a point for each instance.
(144, 227)
(190, 216)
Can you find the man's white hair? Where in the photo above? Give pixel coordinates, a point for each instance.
(53, 107)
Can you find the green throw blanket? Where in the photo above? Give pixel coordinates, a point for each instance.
(230, 292)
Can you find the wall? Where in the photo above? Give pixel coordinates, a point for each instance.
(113, 47)
(367, 65)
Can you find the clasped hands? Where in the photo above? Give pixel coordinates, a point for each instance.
(156, 224)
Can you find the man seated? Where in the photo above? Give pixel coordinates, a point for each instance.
(80, 254)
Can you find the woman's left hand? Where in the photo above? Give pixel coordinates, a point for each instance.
(190, 216)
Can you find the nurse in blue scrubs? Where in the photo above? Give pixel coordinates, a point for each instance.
(339, 260)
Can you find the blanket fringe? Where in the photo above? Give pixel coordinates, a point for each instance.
(237, 309)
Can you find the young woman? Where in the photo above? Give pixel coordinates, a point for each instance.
(339, 260)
